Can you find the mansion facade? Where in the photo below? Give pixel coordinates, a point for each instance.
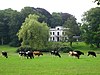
(57, 34)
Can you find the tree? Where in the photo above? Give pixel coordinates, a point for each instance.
(91, 26)
(14, 23)
(4, 29)
(56, 19)
(64, 17)
(45, 15)
(72, 29)
(34, 33)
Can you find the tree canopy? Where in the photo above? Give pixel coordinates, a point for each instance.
(72, 29)
(34, 33)
(11, 21)
(91, 26)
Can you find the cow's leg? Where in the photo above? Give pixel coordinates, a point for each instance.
(78, 56)
(95, 55)
(27, 57)
(30, 57)
(88, 54)
(38, 55)
(6, 56)
(59, 55)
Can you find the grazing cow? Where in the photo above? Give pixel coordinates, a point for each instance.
(91, 53)
(37, 53)
(5, 54)
(28, 54)
(21, 53)
(56, 53)
(73, 53)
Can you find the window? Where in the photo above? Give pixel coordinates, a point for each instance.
(58, 39)
(57, 28)
(57, 33)
(53, 38)
(53, 33)
(50, 38)
(50, 33)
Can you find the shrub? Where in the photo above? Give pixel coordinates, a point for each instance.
(65, 49)
(24, 48)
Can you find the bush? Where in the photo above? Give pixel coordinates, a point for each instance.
(14, 44)
(24, 48)
(65, 49)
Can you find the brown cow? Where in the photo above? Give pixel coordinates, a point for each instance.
(37, 53)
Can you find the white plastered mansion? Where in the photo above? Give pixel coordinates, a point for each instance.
(57, 34)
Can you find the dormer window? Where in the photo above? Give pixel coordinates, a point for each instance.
(57, 28)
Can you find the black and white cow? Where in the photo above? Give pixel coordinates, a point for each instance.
(73, 53)
(28, 54)
(22, 53)
(91, 53)
(4, 53)
(76, 53)
(56, 53)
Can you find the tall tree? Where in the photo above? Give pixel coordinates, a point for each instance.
(91, 26)
(34, 33)
(72, 29)
(14, 24)
(46, 14)
(4, 29)
(56, 19)
(64, 17)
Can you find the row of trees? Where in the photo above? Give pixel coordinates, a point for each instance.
(12, 20)
(30, 25)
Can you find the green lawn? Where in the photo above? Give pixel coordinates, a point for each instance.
(48, 65)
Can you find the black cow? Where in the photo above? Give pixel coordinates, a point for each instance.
(5, 54)
(56, 53)
(91, 53)
(29, 54)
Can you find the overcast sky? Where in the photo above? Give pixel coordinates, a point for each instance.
(74, 7)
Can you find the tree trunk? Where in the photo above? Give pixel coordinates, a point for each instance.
(97, 44)
(70, 43)
(2, 41)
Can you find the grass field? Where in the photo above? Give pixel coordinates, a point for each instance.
(49, 65)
